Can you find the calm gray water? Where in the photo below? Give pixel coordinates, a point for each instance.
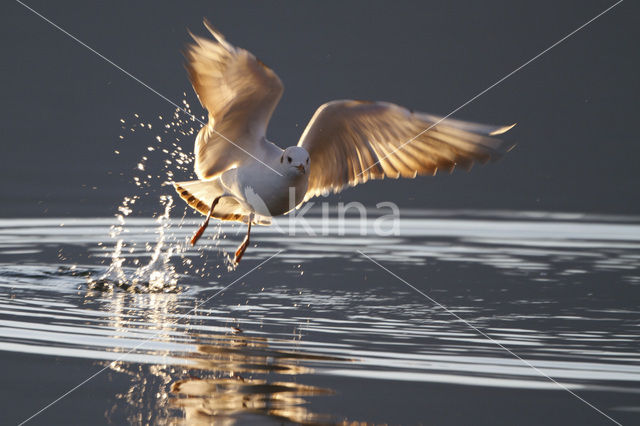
(319, 333)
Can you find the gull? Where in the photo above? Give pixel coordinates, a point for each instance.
(244, 177)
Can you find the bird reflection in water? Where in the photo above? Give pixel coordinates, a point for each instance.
(233, 391)
(229, 378)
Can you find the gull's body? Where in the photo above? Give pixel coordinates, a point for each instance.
(257, 187)
(244, 177)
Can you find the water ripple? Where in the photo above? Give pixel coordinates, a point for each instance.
(547, 288)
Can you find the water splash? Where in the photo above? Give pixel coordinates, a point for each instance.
(161, 159)
(115, 273)
(159, 274)
(154, 171)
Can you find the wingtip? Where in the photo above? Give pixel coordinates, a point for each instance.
(193, 36)
(217, 34)
(502, 130)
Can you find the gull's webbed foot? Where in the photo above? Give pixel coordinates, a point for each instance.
(245, 243)
(199, 233)
(241, 250)
(200, 230)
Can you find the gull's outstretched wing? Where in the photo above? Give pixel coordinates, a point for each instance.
(350, 142)
(240, 93)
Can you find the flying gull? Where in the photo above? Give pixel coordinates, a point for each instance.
(244, 177)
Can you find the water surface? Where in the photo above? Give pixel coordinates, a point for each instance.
(319, 333)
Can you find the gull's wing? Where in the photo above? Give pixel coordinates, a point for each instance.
(240, 93)
(350, 142)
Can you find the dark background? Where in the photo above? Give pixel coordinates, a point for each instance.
(576, 106)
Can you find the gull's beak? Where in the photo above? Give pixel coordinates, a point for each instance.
(300, 167)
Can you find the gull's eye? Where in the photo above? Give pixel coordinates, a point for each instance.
(289, 159)
(307, 161)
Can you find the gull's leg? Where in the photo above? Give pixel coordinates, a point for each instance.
(200, 230)
(245, 243)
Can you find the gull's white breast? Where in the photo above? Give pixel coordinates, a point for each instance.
(264, 191)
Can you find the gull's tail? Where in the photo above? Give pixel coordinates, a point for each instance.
(199, 194)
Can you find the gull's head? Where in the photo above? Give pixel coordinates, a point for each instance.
(295, 160)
